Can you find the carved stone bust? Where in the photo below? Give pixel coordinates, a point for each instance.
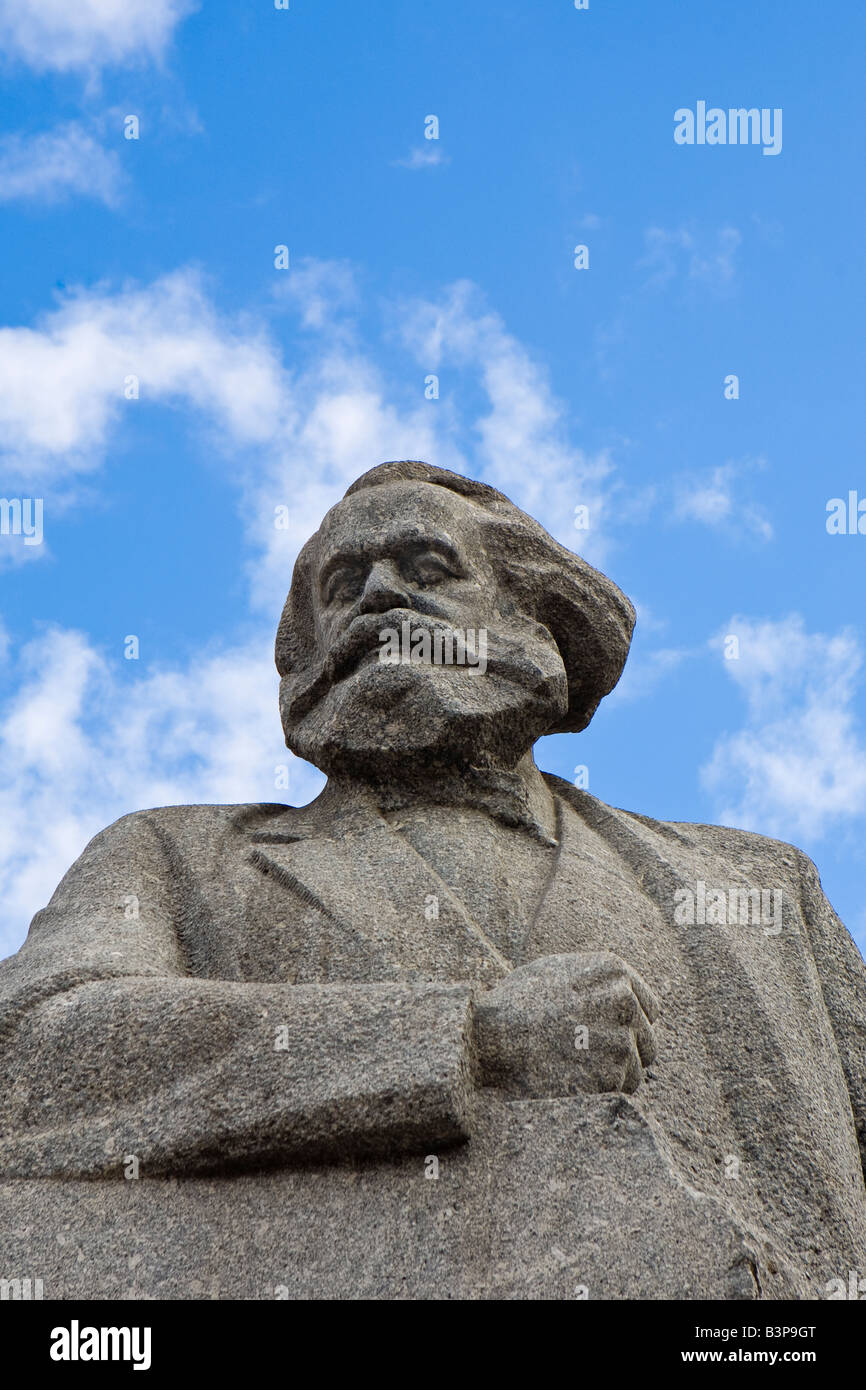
(457, 1028)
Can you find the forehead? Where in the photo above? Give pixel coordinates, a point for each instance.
(385, 517)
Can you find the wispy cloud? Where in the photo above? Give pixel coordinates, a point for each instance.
(423, 157)
(320, 292)
(57, 164)
(644, 673)
(524, 442)
(328, 417)
(167, 335)
(86, 35)
(797, 767)
(711, 499)
(699, 257)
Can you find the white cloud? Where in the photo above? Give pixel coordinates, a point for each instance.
(318, 291)
(710, 499)
(56, 164)
(81, 744)
(69, 35)
(62, 383)
(797, 768)
(323, 422)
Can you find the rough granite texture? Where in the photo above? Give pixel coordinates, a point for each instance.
(340, 1046)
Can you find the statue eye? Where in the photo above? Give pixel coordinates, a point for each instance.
(342, 586)
(428, 568)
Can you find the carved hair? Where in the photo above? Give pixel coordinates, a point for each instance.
(591, 620)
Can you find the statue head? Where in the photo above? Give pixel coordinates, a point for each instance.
(414, 545)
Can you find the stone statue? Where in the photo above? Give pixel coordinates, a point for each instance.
(457, 1028)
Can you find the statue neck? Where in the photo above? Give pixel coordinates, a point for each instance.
(518, 797)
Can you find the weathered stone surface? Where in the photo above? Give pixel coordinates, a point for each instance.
(552, 1199)
(278, 1017)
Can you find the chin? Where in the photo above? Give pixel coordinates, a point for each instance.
(387, 720)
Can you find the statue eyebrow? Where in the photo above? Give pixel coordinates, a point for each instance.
(398, 544)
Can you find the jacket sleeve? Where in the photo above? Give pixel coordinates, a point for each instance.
(843, 980)
(110, 1049)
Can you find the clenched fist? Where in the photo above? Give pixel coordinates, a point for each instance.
(566, 1024)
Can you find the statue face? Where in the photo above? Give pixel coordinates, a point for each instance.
(408, 552)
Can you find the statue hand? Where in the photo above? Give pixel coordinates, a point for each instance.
(567, 1024)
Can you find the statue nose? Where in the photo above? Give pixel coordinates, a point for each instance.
(384, 589)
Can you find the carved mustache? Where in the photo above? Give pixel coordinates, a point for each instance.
(345, 654)
(363, 637)
(507, 656)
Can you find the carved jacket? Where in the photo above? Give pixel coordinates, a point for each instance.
(225, 989)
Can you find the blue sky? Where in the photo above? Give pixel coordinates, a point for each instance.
(262, 388)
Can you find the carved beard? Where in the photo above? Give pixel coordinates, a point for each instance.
(355, 716)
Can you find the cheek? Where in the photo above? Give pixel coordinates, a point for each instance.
(473, 596)
(324, 619)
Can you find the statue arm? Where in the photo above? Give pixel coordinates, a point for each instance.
(109, 1049)
(843, 980)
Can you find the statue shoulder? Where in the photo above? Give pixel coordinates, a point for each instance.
(726, 840)
(722, 842)
(191, 830)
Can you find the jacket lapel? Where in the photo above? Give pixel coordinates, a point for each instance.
(594, 896)
(374, 886)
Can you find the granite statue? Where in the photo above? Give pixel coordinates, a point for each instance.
(457, 1028)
